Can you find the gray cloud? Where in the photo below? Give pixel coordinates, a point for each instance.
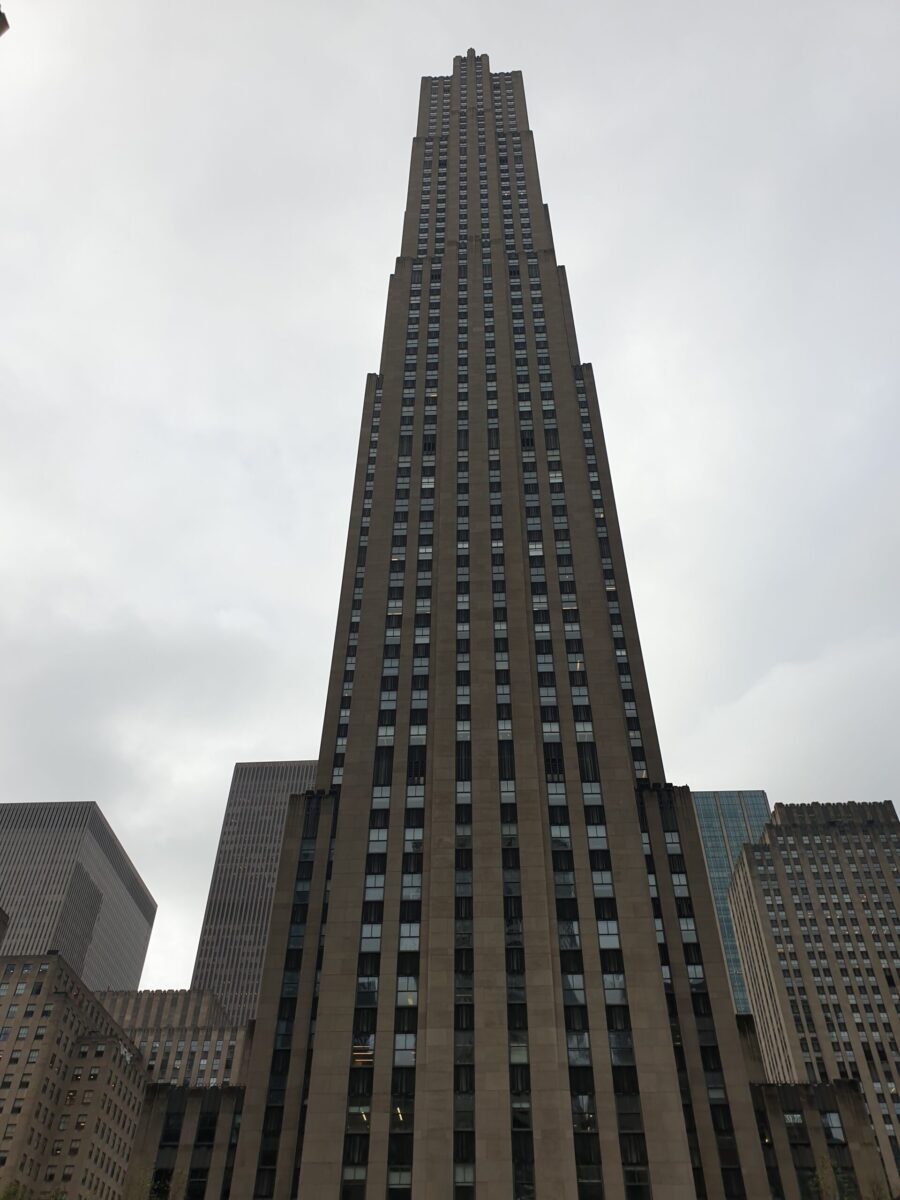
(202, 208)
(146, 720)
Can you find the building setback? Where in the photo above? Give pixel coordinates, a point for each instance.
(493, 965)
(815, 906)
(818, 1142)
(195, 1061)
(236, 923)
(727, 822)
(184, 1037)
(68, 886)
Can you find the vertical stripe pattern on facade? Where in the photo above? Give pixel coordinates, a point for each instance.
(236, 922)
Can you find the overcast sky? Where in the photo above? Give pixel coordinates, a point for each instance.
(200, 205)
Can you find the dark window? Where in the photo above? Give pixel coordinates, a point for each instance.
(384, 766)
(463, 761)
(587, 762)
(400, 1149)
(634, 1149)
(265, 1182)
(506, 759)
(587, 1149)
(415, 765)
(519, 1079)
(733, 1183)
(464, 1079)
(406, 1020)
(618, 1017)
(625, 1080)
(403, 1082)
(517, 1016)
(553, 762)
(361, 1081)
(356, 1148)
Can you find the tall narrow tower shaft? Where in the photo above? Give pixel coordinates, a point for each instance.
(484, 974)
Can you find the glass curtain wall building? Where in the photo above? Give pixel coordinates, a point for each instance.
(727, 822)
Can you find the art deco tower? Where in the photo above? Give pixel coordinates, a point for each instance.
(493, 970)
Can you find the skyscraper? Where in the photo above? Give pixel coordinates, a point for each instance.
(493, 966)
(68, 886)
(727, 821)
(236, 922)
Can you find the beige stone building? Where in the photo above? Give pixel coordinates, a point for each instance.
(493, 966)
(815, 907)
(817, 1138)
(71, 1085)
(184, 1037)
(185, 1143)
(195, 1060)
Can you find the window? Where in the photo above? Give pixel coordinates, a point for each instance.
(409, 936)
(834, 1130)
(404, 1049)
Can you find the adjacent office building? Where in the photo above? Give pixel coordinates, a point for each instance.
(815, 906)
(236, 924)
(727, 822)
(68, 886)
(493, 964)
(71, 1086)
